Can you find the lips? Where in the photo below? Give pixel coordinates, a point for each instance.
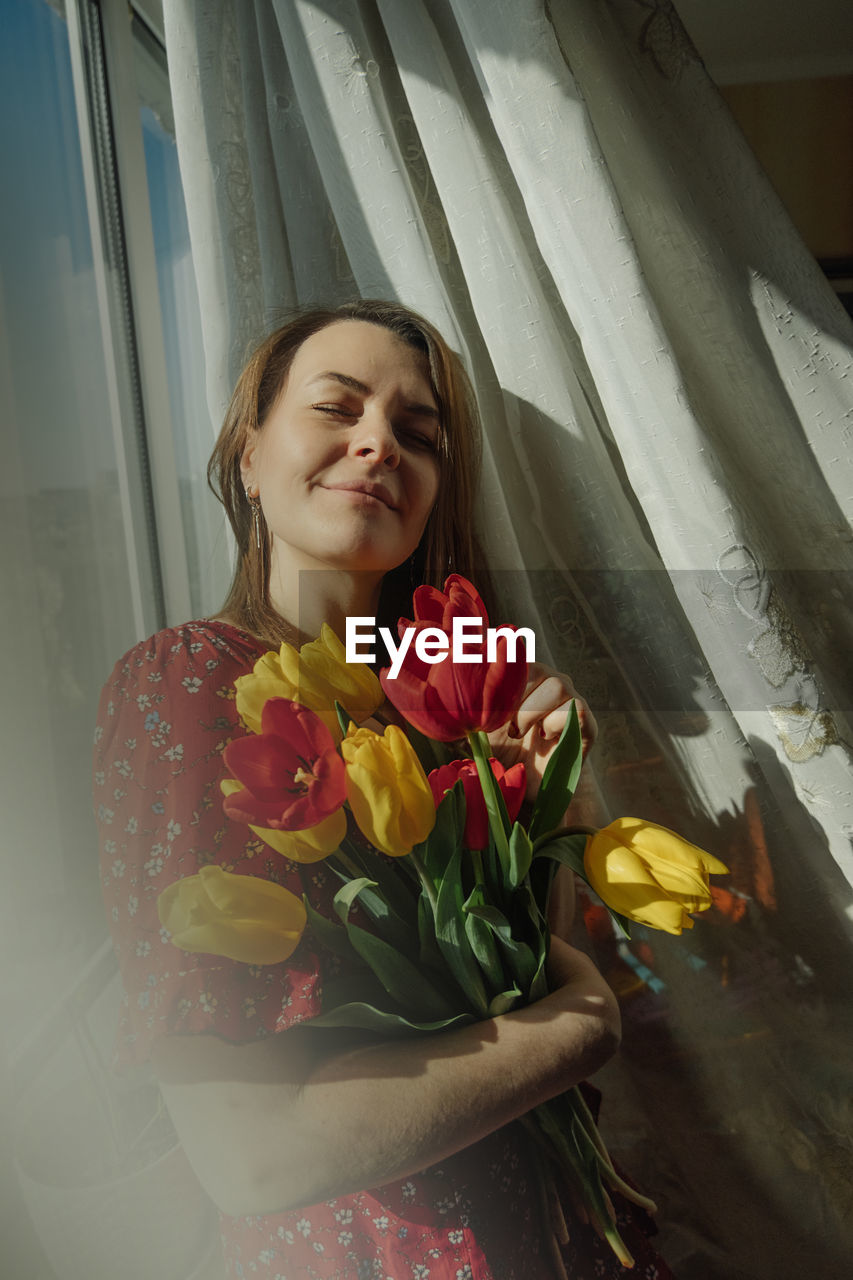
(368, 487)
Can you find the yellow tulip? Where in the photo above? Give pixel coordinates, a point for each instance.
(650, 874)
(387, 789)
(241, 917)
(316, 676)
(309, 845)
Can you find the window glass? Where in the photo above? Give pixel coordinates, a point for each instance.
(65, 570)
(208, 547)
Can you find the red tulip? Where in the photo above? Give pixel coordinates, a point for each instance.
(512, 783)
(448, 699)
(292, 775)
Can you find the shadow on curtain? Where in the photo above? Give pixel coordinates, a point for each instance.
(664, 380)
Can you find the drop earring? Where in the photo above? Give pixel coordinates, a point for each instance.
(255, 506)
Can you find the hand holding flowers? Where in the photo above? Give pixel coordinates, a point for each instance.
(532, 735)
(456, 923)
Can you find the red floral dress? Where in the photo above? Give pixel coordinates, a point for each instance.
(165, 714)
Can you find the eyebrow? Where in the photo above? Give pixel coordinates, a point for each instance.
(422, 410)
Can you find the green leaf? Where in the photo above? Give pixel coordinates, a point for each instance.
(344, 719)
(446, 835)
(519, 960)
(451, 937)
(567, 850)
(529, 920)
(560, 778)
(402, 979)
(333, 936)
(431, 754)
(482, 942)
(400, 932)
(520, 855)
(622, 923)
(348, 893)
(429, 952)
(495, 919)
(504, 1002)
(539, 982)
(368, 1018)
(398, 886)
(496, 886)
(356, 984)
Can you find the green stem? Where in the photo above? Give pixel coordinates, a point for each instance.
(583, 1114)
(588, 1178)
(425, 879)
(625, 1189)
(347, 863)
(479, 744)
(564, 831)
(477, 864)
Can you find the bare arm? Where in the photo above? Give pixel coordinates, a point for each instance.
(301, 1117)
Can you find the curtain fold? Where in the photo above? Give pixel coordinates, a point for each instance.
(664, 378)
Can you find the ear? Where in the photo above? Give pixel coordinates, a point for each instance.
(247, 462)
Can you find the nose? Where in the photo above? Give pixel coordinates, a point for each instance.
(374, 438)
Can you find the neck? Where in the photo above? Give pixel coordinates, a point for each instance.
(308, 597)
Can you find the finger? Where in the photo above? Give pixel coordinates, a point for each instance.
(548, 708)
(589, 725)
(546, 704)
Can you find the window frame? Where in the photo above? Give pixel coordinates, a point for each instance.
(136, 364)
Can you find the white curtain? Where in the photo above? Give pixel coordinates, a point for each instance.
(665, 382)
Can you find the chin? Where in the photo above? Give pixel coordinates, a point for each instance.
(364, 557)
(347, 549)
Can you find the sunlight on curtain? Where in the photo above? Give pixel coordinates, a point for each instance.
(665, 383)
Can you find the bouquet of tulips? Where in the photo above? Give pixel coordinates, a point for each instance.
(443, 899)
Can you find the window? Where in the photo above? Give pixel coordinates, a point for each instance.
(96, 482)
(203, 520)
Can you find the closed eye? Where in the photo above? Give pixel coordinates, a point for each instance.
(415, 438)
(337, 410)
(420, 441)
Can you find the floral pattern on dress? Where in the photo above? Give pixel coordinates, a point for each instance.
(165, 714)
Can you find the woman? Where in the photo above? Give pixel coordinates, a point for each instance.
(347, 465)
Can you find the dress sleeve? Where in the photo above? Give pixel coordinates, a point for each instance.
(165, 714)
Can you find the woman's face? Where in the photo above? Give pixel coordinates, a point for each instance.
(346, 463)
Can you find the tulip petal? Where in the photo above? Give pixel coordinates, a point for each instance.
(447, 699)
(503, 687)
(387, 789)
(663, 913)
(513, 785)
(238, 894)
(460, 590)
(244, 918)
(306, 846)
(298, 725)
(264, 763)
(429, 604)
(291, 772)
(240, 940)
(665, 844)
(649, 873)
(611, 864)
(252, 692)
(421, 706)
(242, 806)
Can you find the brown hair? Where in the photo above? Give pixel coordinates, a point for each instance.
(448, 544)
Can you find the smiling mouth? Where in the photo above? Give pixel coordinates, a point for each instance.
(367, 493)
